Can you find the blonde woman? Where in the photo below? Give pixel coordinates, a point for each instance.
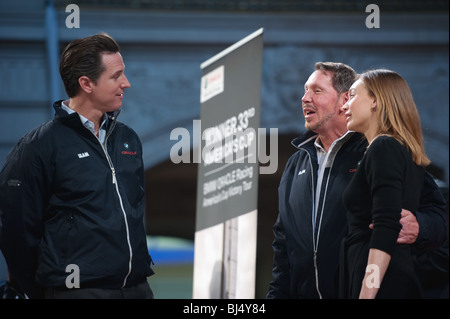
(388, 178)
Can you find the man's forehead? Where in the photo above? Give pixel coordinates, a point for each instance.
(114, 60)
(319, 77)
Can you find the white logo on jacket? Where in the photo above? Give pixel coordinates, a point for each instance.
(83, 155)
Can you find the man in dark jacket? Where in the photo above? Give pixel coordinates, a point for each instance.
(72, 190)
(312, 219)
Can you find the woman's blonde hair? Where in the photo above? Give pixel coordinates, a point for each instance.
(396, 110)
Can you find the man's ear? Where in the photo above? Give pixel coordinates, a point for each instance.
(86, 84)
(343, 98)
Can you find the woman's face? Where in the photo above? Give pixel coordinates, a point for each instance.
(360, 109)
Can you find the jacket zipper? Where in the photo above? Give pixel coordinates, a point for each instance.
(114, 181)
(126, 225)
(332, 153)
(313, 219)
(315, 240)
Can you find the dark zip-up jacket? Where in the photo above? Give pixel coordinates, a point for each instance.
(306, 245)
(66, 199)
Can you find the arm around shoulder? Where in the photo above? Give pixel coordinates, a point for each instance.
(431, 215)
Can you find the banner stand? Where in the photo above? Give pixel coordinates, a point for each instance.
(227, 184)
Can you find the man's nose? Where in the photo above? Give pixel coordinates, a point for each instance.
(126, 84)
(306, 98)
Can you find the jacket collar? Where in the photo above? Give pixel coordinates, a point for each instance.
(309, 136)
(62, 114)
(304, 138)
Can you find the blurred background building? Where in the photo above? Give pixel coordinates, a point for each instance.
(164, 42)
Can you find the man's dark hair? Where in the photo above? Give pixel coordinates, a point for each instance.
(83, 57)
(343, 75)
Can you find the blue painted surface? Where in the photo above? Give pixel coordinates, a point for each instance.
(172, 256)
(169, 250)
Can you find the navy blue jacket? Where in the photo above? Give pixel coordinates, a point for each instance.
(66, 199)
